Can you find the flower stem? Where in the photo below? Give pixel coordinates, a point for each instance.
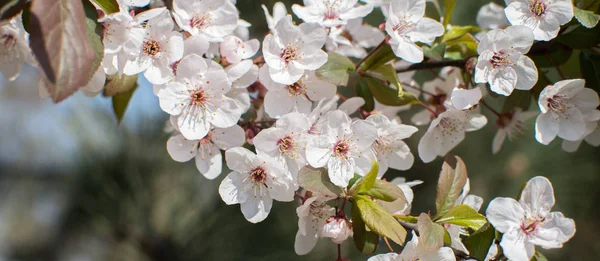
(384, 42)
(427, 108)
(490, 108)
(388, 244)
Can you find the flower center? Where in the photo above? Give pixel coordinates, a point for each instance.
(289, 53)
(557, 104)
(381, 145)
(199, 97)
(538, 7)
(258, 175)
(500, 60)
(405, 26)
(151, 48)
(341, 148)
(296, 89)
(285, 144)
(332, 10)
(200, 22)
(530, 225)
(174, 67)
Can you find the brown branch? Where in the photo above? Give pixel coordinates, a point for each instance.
(434, 65)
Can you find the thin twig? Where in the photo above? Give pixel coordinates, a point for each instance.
(384, 42)
(490, 108)
(388, 244)
(427, 108)
(434, 65)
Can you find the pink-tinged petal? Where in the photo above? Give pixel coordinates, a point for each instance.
(278, 103)
(158, 73)
(408, 51)
(537, 196)
(311, 61)
(401, 159)
(586, 100)
(546, 128)
(209, 161)
(516, 246)
(351, 105)
(160, 24)
(182, 149)
(195, 44)
(503, 82)
(319, 150)
(305, 243)
(521, 37)
(341, 170)
(226, 138)
(256, 209)
(430, 146)
(364, 134)
(426, 31)
(228, 113)
(505, 214)
(286, 75)
(240, 159)
(250, 77)
(236, 71)
(190, 66)
(465, 98)
(174, 98)
(498, 140)
(385, 257)
(231, 189)
(555, 231)
(573, 126)
(569, 88)
(193, 127)
(527, 74)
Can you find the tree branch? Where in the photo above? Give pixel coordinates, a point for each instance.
(434, 65)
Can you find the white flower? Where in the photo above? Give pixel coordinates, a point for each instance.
(197, 97)
(354, 38)
(160, 48)
(338, 229)
(406, 25)
(254, 182)
(437, 93)
(456, 231)
(529, 222)
(512, 125)
(312, 216)
(282, 99)
(566, 107)
(291, 50)
(279, 11)
(330, 13)
(235, 49)
(463, 99)
(242, 74)
(491, 16)
(401, 207)
(502, 62)
(343, 146)
(96, 84)
(214, 19)
(242, 31)
(206, 151)
(391, 151)
(543, 17)
(136, 3)
(286, 141)
(14, 48)
(592, 137)
(416, 250)
(446, 131)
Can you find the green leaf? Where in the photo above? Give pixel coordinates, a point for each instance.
(94, 34)
(120, 102)
(388, 73)
(353, 180)
(590, 69)
(586, 18)
(436, 52)
(539, 257)
(517, 99)
(448, 9)
(456, 32)
(362, 90)
(367, 182)
(452, 180)
(336, 69)
(116, 84)
(556, 54)
(365, 241)
(479, 242)
(381, 56)
(380, 221)
(465, 45)
(409, 219)
(108, 6)
(317, 180)
(385, 191)
(580, 38)
(431, 235)
(464, 216)
(59, 40)
(388, 96)
(11, 8)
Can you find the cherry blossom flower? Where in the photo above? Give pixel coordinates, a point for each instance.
(510, 125)
(543, 17)
(14, 48)
(463, 99)
(206, 151)
(338, 229)
(291, 50)
(286, 141)
(342, 146)
(592, 137)
(330, 13)
(446, 131)
(160, 48)
(214, 19)
(96, 84)
(391, 151)
(198, 98)
(399, 207)
(416, 250)
(354, 38)
(406, 25)
(255, 181)
(298, 96)
(502, 62)
(235, 49)
(529, 222)
(566, 107)
(491, 16)
(312, 216)
(437, 92)
(279, 11)
(242, 74)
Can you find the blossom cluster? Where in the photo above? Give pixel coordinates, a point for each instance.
(277, 117)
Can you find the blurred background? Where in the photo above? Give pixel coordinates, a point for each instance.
(77, 186)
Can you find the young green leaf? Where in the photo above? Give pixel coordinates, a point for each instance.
(388, 96)
(94, 34)
(336, 69)
(387, 72)
(465, 45)
(409, 219)
(59, 41)
(385, 191)
(116, 84)
(380, 221)
(539, 257)
(362, 90)
(365, 241)
(586, 18)
(479, 242)
(367, 182)
(317, 180)
(120, 102)
(457, 31)
(108, 6)
(436, 52)
(448, 9)
(431, 235)
(381, 56)
(464, 216)
(452, 180)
